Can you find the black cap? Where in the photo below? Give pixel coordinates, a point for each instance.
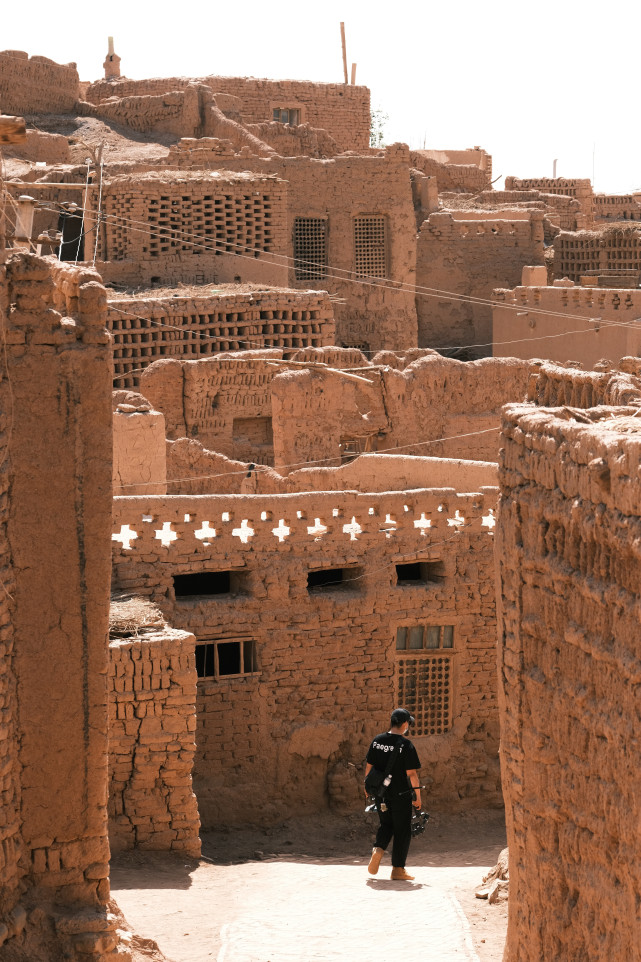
(400, 716)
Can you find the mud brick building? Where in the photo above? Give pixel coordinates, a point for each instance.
(611, 251)
(586, 324)
(30, 85)
(568, 534)
(577, 188)
(465, 252)
(150, 326)
(313, 613)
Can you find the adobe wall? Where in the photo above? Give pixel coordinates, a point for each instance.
(467, 252)
(561, 323)
(449, 175)
(376, 308)
(261, 408)
(37, 85)
(166, 228)
(139, 456)
(57, 525)
(152, 720)
(616, 207)
(326, 669)
(146, 328)
(342, 110)
(580, 189)
(41, 147)
(615, 250)
(176, 112)
(567, 543)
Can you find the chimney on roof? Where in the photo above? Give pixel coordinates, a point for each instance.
(112, 63)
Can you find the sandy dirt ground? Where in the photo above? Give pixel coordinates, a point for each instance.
(300, 892)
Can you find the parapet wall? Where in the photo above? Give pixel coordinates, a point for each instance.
(569, 666)
(582, 324)
(321, 667)
(466, 253)
(152, 721)
(147, 329)
(36, 85)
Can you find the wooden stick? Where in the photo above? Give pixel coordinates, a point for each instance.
(353, 74)
(344, 50)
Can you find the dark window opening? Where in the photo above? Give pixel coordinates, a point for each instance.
(218, 659)
(332, 579)
(207, 584)
(420, 572)
(72, 245)
(286, 115)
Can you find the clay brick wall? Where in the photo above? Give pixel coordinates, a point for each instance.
(152, 720)
(614, 250)
(616, 207)
(32, 85)
(467, 252)
(162, 228)
(149, 328)
(352, 229)
(567, 543)
(56, 524)
(340, 109)
(449, 175)
(177, 112)
(11, 843)
(436, 406)
(322, 669)
(308, 413)
(580, 189)
(41, 147)
(592, 323)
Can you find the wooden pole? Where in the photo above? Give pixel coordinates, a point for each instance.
(353, 74)
(344, 50)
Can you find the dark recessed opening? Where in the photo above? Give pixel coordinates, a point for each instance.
(229, 658)
(205, 666)
(420, 572)
(331, 579)
(205, 583)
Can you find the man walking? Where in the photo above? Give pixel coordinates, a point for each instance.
(395, 812)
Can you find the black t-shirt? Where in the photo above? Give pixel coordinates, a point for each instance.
(406, 759)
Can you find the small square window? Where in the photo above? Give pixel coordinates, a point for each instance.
(207, 584)
(220, 659)
(332, 579)
(420, 573)
(426, 638)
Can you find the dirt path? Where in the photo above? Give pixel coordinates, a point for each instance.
(301, 893)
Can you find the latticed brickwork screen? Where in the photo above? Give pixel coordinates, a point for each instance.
(425, 689)
(370, 246)
(191, 224)
(310, 248)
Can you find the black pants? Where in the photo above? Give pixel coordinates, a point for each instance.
(397, 822)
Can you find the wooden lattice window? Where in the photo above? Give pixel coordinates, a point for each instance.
(221, 659)
(310, 248)
(424, 687)
(287, 115)
(370, 246)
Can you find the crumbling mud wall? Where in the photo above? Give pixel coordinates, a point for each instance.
(342, 110)
(56, 400)
(585, 324)
(152, 721)
(467, 253)
(147, 328)
(294, 672)
(579, 189)
(37, 85)
(168, 227)
(616, 207)
(567, 545)
(176, 112)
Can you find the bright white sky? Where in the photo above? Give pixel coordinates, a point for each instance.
(527, 81)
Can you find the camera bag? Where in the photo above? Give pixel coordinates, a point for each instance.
(375, 778)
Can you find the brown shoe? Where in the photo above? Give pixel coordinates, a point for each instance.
(375, 861)
(400, 875)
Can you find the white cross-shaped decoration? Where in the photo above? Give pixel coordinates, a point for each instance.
(282, 530)
(244, 532)
(457, 520)
(166, 535)
(318, 529)
(205, 532)
(423, 524)
(488, 520)
(125, 536)
(352, 529)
